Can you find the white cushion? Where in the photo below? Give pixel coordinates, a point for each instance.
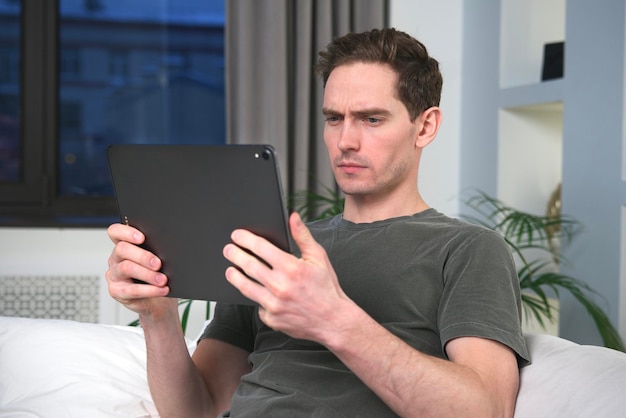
(570, 380)
(57, 368)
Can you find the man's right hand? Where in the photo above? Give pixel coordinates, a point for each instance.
(127, 262)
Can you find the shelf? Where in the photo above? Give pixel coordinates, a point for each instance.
(525, 27)
(546, 94)
(530, 111)
(530, 150)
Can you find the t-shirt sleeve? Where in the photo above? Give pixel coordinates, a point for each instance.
(233, 324)
(481, 296)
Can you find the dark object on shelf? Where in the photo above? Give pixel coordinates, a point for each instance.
(553, 54)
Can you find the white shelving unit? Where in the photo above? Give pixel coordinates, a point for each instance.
(522, 136)
(530, 112)
(530, 149)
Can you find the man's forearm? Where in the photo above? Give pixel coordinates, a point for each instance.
(176, 386)
(410, 382)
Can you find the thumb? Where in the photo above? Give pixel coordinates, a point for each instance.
(302, 236)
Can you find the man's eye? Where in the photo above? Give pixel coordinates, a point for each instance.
(373, 120)
(332, 119)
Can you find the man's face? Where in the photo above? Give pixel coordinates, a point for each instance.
(370, 138)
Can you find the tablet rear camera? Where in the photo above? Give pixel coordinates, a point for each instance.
(267, 154)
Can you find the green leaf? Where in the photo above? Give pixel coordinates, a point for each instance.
(312, 205)
(134, 323)
(185, 317)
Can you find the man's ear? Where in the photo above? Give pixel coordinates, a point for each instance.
(429, 122)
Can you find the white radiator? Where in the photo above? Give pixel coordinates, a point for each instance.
(72, 297)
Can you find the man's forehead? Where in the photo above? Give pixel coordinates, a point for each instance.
(361, 79)
(363, 70)
(360, 87)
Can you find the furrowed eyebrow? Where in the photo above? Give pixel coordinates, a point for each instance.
(363, 113)
(329, 112)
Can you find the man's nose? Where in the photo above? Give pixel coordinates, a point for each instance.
(349, 137)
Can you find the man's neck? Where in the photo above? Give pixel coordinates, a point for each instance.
(363, 209)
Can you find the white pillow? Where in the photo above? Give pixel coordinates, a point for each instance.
(58, 368)
(566, 379)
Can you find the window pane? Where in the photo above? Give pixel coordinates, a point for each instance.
(10, 147)
(141, 71)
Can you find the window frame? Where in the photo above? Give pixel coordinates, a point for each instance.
(33, 201)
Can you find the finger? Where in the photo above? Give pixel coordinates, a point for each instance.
(127, 251)
(125, 291)
(309, 248)
(246, 260)
(249, 288)
(128, 262)
(127, 270)
(121, 279)
(120, 232)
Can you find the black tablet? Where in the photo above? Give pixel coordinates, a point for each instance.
(187, 199)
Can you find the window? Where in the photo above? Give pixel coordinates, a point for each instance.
(118, 65)
(79, 75)
(70, 63)
(10, 161)
(10, 65)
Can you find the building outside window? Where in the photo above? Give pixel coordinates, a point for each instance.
(70, 63)
(141, 71)
(118, 65)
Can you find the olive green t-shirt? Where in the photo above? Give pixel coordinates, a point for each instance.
(427, 278)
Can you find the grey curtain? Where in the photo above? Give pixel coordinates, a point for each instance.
(272, 94)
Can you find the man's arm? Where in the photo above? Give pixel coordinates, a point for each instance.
(302, 298)
(481, 378)
(216, 358)
(180, 386)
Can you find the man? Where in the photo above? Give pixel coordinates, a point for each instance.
(390, 309)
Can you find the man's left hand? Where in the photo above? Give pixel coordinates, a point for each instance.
(298, 296)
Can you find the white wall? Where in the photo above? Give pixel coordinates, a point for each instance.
(439, 26)
(72, 252)
(52, 251)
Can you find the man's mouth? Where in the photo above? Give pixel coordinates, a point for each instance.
(350, 167)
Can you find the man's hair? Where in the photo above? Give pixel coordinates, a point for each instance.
(419, 80)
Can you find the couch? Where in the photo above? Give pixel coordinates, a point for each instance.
(59, 368)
